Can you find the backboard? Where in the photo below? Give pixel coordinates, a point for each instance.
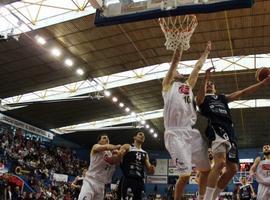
(111, 12)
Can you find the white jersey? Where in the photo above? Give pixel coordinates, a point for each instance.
(179, 107)
(99, 169)
(263, 172)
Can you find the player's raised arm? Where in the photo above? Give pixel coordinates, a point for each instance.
(167, 81)
(201, 94)
(192, 79)
(249, 90)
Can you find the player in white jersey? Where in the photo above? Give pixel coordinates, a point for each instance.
(261, 170)
(100, 171)
(183, 142)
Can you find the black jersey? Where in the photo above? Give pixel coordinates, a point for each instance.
(245, 192)
(133, 163)
(216, 109)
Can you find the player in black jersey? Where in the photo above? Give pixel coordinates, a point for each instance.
(220, 132)
(245, 191)
(134, 160)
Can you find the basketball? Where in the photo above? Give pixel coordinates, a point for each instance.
(262, 73)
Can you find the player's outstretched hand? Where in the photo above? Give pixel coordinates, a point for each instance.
(266, 81)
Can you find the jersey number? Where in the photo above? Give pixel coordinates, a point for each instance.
(187, 99)
(138, 156)
(225, 136)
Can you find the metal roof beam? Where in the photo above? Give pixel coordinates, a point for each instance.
(144, 116)
(153, 72)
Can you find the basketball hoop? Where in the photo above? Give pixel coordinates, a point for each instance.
(178, 31)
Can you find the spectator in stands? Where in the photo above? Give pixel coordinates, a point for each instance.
(40, 160)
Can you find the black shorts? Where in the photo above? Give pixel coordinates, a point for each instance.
(245, 198)
(226, 131)
(130, 187)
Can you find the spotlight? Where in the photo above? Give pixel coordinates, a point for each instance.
(147, 126)
(68, 62)
(56, 52)
(127, 109)
(80, 71)
(107, 93)
(121, 105)
(114, 99)
(151, 130)
(40, 40)
(155, 135)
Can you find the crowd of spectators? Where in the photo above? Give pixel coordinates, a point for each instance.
(36, 162)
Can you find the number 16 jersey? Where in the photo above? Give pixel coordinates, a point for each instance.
(179, 106)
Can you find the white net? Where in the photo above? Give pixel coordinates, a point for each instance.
(178, 31)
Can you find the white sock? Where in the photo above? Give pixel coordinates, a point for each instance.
(209, 193)
(216, 193)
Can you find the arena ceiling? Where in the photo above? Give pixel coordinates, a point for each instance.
(27, 67)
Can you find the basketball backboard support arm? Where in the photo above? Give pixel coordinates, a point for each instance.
(147, 13)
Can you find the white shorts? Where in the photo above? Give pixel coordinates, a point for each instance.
(91, 190)
(220, 145)
(186, 146)
(263, 192)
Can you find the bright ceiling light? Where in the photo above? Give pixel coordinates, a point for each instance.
(143, 122)
(155, 135)
(147, 126)
(121, 105)
(56, 52)
(151, 130)
(114, 99)
(127, 109)
(40, 40)
(80, 71)
(68, 62)
(107, 93)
